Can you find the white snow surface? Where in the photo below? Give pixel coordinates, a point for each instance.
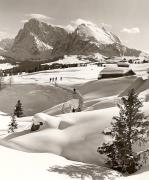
(2, 58)
(6, 66)
(66, 135)
(92, 30)
(37, 164)
(71, 76)
(23, 124)
(74, 59)
(59, 134)
(41, 45)
(75, 136)
(89, 29)
(17, 165)
(69, 60)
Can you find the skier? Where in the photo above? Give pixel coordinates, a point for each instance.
(74, 90)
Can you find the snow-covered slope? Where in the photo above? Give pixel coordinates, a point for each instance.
(2, 58)
(6, 44)
(2, 52)
(65, 141)
(24, 123)
(75, 136)
(18, 165)
(90, 31)
(79, 59)
(73, 59)
(41, 45)
(5, 65)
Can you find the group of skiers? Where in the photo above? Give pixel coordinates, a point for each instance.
(54, 79)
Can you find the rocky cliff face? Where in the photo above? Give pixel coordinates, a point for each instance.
(88, 39)
(38, 41)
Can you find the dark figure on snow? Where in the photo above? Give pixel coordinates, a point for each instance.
(74, 90)
(73, 110)
(79, 109)
(36, 127)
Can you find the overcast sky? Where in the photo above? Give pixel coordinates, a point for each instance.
(129, 19)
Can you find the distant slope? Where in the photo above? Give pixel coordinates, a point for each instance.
(6, 44)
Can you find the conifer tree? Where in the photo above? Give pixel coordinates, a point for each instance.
(1, 79)
(130, 127)
(18, 109)
(13, 124)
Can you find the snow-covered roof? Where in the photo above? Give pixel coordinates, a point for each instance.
(125, 64)
(122, 62)
(115, 70)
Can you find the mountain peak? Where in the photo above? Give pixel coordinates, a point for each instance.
(81, 21)
(33, 20)
(91, 31)
(38, 40)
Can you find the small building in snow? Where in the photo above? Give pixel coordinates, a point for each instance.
(122, 64)
(114, 72)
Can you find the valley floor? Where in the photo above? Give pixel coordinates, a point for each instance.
(73, 136)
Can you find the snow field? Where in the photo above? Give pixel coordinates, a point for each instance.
(75, 136)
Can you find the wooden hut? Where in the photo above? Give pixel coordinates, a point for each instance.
(114, 72)
(122, 64)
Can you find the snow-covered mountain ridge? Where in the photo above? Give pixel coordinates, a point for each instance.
(6, 44)
(38, 41)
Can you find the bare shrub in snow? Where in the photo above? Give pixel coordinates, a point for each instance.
(12, 125)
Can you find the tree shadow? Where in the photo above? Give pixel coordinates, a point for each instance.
(82, 171)
(17, 134)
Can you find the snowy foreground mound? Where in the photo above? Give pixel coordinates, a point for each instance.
(18, 165)
(75, 136)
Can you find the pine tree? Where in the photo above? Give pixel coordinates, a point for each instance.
(18, 109)
(1, 79)
(13, 124)
(131, 126)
